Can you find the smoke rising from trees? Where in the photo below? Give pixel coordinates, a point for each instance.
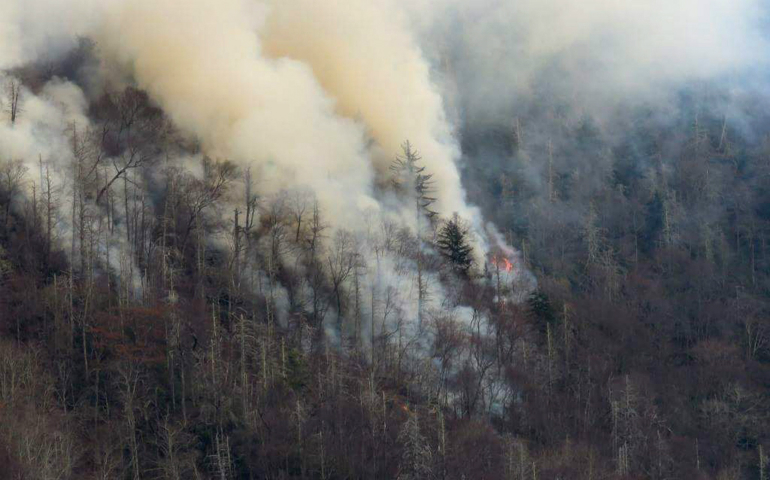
(320, 95)
(384, 238)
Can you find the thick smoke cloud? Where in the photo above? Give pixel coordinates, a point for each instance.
(593, 55)
(494, 50)
(320, 95)
(364, 55)
(312, 95)
(40, 30)
(241, 105)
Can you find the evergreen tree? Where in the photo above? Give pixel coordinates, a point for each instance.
(453, 244)
(410, 178)
(654, 222)
(541, 310)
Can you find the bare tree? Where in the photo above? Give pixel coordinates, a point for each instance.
(299, 204)
(197, 195)
(315, 231)
(13, 97)
(275, 214)
(341, 260)
(417, 459)
(50, 199)
(129, 383)
(409, 177)
(251, 200)
(316, 275)
(11, 175)
(133, 134)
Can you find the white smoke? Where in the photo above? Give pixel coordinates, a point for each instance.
(38, 139)
(320, 95)
(38, 30)
(269, 114)
(311, 94)
(592, 54)
(364, 55)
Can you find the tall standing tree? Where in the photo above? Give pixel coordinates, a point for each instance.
(453, 244)
(410, 178)
(416, 459)
(13, 96)
(11, 180)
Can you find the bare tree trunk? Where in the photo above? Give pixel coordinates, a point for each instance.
(236, 253)
(13, 94)
(48, 215)
(244, 373)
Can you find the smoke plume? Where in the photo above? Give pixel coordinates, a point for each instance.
(591, 55)
(319, 96)
(313, 95)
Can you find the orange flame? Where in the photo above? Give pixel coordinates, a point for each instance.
(502, 263)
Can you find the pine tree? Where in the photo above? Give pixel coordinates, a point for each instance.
(410, 177)
(541, 310)
(453, 244)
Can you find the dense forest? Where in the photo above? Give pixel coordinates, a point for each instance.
(603, 314)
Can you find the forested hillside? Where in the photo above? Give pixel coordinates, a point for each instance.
(436, 242)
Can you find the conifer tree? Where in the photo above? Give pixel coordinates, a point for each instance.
(453, 244)
(410, 177)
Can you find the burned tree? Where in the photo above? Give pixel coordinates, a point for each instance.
(13, 96)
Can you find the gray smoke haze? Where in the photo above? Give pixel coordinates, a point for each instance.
(592, 55)
(321, 94)
(318, 97)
